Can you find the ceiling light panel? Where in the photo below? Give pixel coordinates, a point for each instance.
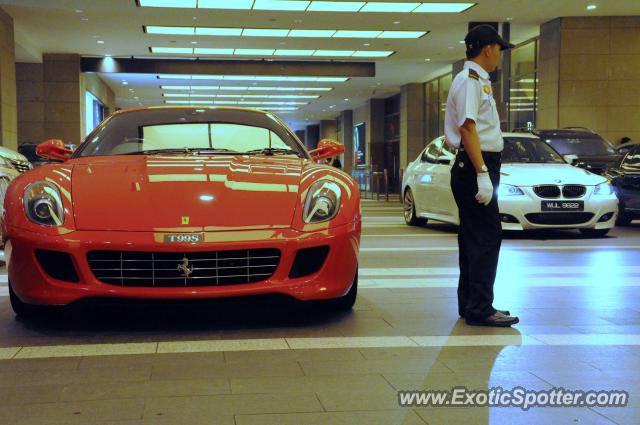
(252, 78)
(335, 6)
(294, 52)
(270, 52)
(294, 5)
(313, 6)
(389, 7)
(281, 32)
(244, 88)
(207, 51)
(172, 50)
(443, 7)
(152, 29)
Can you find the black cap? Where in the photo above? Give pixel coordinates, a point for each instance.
(484, 35)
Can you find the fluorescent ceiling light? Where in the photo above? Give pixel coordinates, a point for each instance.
(356, 34)
(225, 4)
(256, 32)
(294, 52)
(389, 7)
(443, 7)
(254, 52)
(335, 53)
(335, 6)
(312, 33)
(168, 3)
(252, 78)
(152, 29)
(372, 54)
(280, 5)
(242, 96)
(207, 51)
(243, 88)
(176, 50)
(219, 31)
(402, 34)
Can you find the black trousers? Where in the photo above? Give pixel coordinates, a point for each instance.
(479, 236)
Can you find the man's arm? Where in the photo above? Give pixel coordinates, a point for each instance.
(471, 143)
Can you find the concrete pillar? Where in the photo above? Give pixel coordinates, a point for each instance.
(346, 136)
(375, 133)
(8, 103)
(62, 97)
(412, 137)
(328, 129)
(588, 75)
(313, 136)
(30, 88)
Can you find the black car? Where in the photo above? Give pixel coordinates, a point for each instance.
(591, 150)
(625, 178)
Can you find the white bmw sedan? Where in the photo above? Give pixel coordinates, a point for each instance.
(538, 189)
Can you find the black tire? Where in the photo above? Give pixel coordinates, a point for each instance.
(410, 210)
(623, 219)
(22, 309)
(344, 303)
(594, 233)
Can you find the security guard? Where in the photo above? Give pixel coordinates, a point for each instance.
(472, 126)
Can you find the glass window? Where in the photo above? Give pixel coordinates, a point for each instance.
(360, 145)
(523, 59)
(443, 92)
(585, 145)
(522, 102)
(431, 110)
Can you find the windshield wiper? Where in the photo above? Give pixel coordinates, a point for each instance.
(193, 151)
(272, 151)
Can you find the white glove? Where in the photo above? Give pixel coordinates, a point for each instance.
(485, 189)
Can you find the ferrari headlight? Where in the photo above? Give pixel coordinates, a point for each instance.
(43, 204)
(604, 189)
(508, 190)
(322, 203)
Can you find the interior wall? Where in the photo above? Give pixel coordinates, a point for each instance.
(8, 97)
(589, 75)
(94, 84)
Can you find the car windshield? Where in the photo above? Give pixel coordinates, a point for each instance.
(191, 131)
(529, 150)
(581, 145)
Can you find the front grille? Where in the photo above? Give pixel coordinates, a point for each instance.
(170, 269)
(547, 191)
(559, 218)
(573, 191)
(21, 166)
(630, 182)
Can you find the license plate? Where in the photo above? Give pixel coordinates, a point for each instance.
(183, 238)
(562, 206)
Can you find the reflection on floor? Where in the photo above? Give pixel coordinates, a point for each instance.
(270, 362)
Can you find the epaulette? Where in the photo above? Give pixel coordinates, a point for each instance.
(474, 74)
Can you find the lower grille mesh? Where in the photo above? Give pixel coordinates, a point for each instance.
(175, 269)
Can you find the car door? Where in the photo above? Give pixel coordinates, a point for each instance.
(446, 203)
(425, 192)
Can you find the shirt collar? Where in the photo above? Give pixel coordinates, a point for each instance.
(480, 70)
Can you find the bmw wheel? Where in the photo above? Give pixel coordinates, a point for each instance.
(410, 210)
(594, 233)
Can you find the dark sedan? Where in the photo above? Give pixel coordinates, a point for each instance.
(588, 149)
(625, 177)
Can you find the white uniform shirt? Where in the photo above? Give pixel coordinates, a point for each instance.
(471, 97)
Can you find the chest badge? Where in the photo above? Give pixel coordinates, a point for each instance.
(486, 89)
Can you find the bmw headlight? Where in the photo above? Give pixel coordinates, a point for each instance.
(508, 190)
(43, 204)
(322, 203)
(604, 189)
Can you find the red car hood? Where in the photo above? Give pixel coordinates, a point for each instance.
(174, 193)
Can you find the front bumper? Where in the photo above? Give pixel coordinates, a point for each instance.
(33, 285)
(518, 207)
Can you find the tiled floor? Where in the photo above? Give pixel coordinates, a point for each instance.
(272, 363)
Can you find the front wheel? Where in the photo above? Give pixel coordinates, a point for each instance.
(410, 210)
(22, 309)
(623, 219)
(346, 302)
(594, 233)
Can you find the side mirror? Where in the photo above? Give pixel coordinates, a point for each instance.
(326, 148)
(53, 149)
(571, 159)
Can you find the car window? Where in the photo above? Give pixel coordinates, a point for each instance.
(631, 161)
(529, 150)
(432, 152)
(581, 145)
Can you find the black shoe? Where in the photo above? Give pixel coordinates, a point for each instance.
(505, 312)
(497, 319)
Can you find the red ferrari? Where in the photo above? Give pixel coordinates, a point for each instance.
(183, 203)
